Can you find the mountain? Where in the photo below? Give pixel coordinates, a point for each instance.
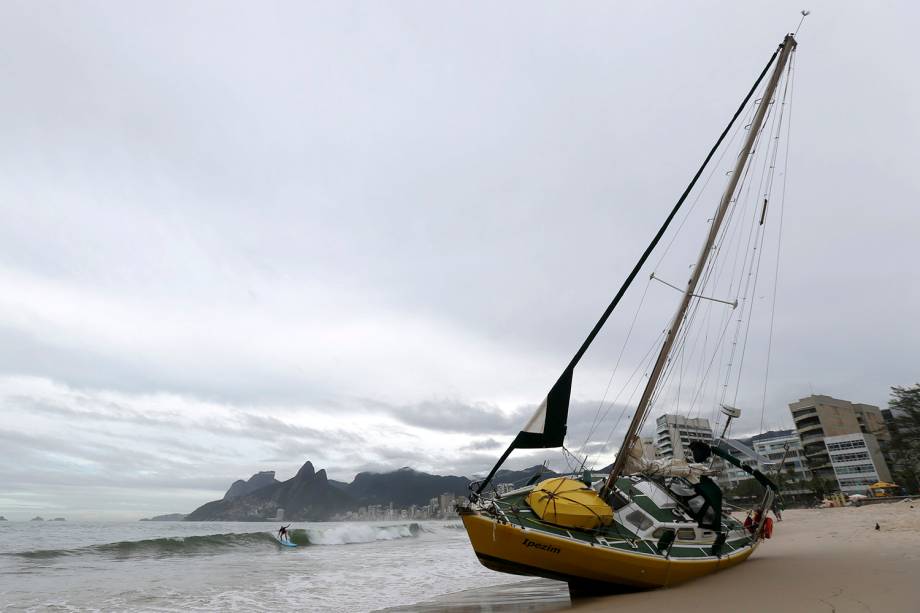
(167, 517)
(256, 482)
(403, 487)
(307, 496)
(311, 496)
(520, 478)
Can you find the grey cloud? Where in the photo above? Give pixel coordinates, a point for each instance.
(239, 423)
(481, 444)
(454, 416)
(351, 172)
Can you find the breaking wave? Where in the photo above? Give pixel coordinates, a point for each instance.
(177, 545)
(212, 543)
(354, 533)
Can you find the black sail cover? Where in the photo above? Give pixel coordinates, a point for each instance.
(546, 428)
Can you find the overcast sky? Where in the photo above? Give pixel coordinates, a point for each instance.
(237, 236)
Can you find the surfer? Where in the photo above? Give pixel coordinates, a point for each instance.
(283, 534)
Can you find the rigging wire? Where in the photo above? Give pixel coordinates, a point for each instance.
(733, 135)
(595, 422)
(742, 293)
(743, 278)
(711, 263)
(711, 266)
(644, 365)
(790, 84)
(749, 261)
(756, 233)
(686, 345)
(768, 191)
(801, 21)
(756, 274)
(725, 150)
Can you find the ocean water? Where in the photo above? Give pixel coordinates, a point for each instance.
(206, 566)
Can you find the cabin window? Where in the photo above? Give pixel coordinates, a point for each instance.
(686, 534)
(640, 520)
(617, 500)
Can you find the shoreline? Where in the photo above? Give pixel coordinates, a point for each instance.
(519, 594)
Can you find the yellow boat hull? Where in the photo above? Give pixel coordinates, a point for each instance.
(509, 548)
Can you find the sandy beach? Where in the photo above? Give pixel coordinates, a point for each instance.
(818, 560)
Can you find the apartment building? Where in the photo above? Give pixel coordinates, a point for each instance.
(819, 417)
(857, 461)
(778, 444)
(765, 452)
(674, 433)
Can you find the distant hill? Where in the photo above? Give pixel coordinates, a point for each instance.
(167, 517)
(256, 482)
(311, 496)
(520, 478)
(403, 487)
(307, 496)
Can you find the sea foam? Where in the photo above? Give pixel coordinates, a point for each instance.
(356, 533)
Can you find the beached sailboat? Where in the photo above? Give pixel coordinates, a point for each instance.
(644, 523)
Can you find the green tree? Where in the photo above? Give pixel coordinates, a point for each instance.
(748, 488)
(821, 487)
(905, 436)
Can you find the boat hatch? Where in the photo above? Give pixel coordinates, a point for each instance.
(640, 520)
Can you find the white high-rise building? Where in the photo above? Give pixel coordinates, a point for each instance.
(857, 461)
(765, 452)
(773, 446)
(674, 433)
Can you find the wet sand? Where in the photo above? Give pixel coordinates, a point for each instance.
(531, 595)
(818, 560)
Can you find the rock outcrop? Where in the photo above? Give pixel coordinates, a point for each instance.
(256, 482)
(307, 496)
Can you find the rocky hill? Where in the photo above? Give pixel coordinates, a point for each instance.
(307, 496)
(256, 482)
(403, 487)
(406, 486)
(311, 496)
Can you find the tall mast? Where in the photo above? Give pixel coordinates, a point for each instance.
(633, 432)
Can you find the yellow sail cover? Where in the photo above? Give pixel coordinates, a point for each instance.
(570, 503)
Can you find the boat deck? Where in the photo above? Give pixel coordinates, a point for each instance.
(515, 510)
